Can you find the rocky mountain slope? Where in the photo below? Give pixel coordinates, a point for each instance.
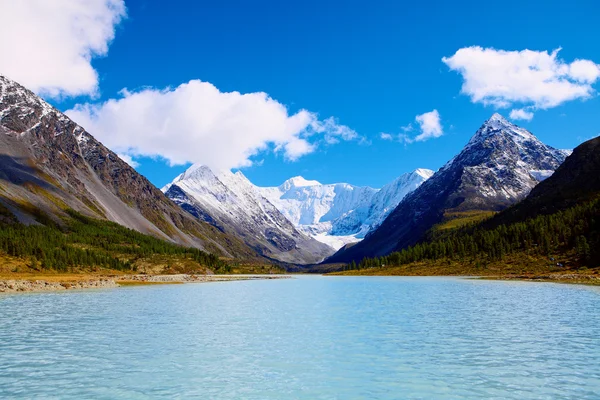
(231, 203)
(498, 167)
(49, 164)
(576, 181)
(340, 213)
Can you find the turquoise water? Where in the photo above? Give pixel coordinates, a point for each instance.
(305, 338)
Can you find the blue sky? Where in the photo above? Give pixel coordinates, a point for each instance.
(372, 66)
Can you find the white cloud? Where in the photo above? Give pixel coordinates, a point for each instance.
(521, 113)
(407, 128)
(127, 158)
(536, 79)
(296, 148)
(197, 123)
(333, 131)
(47, 45)
(430, 126)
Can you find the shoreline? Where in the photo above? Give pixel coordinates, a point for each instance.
(572, 279)
(58, 282)
(54, 283)
(569, 279)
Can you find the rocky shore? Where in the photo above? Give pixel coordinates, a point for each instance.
(183, 278)
(41, 285)
(13, 286)
(586, 279)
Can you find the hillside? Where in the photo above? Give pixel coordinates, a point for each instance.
(92, 246)
(50, 165)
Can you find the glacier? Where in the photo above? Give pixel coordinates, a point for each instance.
(340, 213)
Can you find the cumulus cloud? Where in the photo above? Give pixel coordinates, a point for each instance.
(48, 45)
(521, 113)
(197, 123)
(536, 79)
(430, 125)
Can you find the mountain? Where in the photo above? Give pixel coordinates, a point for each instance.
(231, 203)
(338, 214)
(554, 233)
(49, 165)
(498, 167)
(313, 207)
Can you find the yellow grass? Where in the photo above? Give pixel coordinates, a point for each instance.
(458, 219)
(516, 266)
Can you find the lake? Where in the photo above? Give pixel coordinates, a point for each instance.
(310, 337)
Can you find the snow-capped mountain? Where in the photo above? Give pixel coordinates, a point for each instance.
(300, 221)
(498, 167)
(231, 203)
(314, 208)
(340, 213)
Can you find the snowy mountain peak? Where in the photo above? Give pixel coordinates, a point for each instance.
(424, 173)
(340, 213)
(230, 202)
(496, 117)
(298, 181)
(498, 125)
(334, 214)
(498, 167)
(196, 171)
(30, 108)
(503, 161)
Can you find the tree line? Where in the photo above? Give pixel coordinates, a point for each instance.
(575, 230)
(88, 242)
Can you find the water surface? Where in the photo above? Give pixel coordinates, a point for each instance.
(305, 338)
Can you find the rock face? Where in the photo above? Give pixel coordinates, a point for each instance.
(232, 204)
(576, 181)
(49, 164)
(339, 213)
(498, 167)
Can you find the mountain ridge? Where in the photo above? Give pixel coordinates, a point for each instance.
(296, 213)
(340, 213)
(575, 181)
(230, 202)
(552, 234)
(499, 166)
(49, 164)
